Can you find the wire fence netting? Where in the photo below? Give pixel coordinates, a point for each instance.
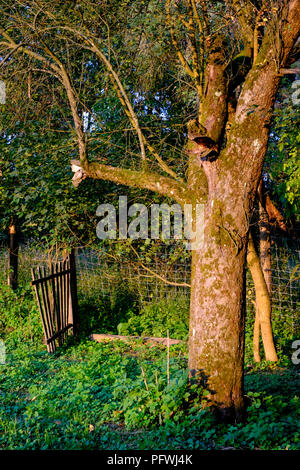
(162, 271)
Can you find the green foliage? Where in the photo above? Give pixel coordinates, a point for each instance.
(94, 396)
(282, 164)
(102, 312)
(19, 315)
(36, 188)
(171, 313)
(150, 400)
(36, 136)
(63, 401)
(121, 396)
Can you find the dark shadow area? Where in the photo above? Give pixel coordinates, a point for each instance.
(100, 313)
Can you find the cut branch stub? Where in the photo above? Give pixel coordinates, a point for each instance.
(79, 173)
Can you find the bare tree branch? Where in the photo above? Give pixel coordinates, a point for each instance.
(139, 179)
(181, 57)
(158, 276)
(123, 97)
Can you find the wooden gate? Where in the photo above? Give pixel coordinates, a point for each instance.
(56, 294)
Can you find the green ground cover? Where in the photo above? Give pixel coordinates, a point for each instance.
(116, 395)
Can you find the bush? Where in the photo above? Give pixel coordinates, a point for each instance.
(19, 315)
(120, 395)
(156, 318)
(103, 313)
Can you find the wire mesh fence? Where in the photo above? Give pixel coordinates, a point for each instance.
(165, 273)
(151, 280)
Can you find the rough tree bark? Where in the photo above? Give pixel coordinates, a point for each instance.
(226, 183)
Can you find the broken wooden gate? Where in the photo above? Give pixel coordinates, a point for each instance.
(56, 294)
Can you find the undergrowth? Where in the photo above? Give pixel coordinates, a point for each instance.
(125, 395)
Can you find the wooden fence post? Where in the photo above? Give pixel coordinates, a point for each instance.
(73, 287)
(13, 257)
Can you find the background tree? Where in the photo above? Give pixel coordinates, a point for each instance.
(280, 183)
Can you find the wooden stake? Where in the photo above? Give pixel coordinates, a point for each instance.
(13, 257)
(145, 380)
(73, 288)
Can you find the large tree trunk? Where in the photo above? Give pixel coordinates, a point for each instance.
(216, 343)
(227, 148)
(217, 309)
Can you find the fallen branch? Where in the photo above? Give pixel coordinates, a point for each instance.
(145, 339)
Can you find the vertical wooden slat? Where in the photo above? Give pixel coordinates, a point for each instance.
(65, 307)
(69, 315)
(73, 290)
(56, 298)
(48, 307)
(46, 313)
(61, 283)
(36, 288)
(53, 285)
(62, 299)
(58, 287)
(45, 309)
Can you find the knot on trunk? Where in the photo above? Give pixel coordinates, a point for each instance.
(200, 143)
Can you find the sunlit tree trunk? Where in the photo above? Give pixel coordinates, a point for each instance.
(263, 305)
(265, 248)
(265, 261)
(267, 212)
(256, 338)
(217, 312)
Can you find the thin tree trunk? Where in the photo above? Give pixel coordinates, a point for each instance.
(265, 261)
(265, 248)
(13, 257)
(263, 305)
(256, 337)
